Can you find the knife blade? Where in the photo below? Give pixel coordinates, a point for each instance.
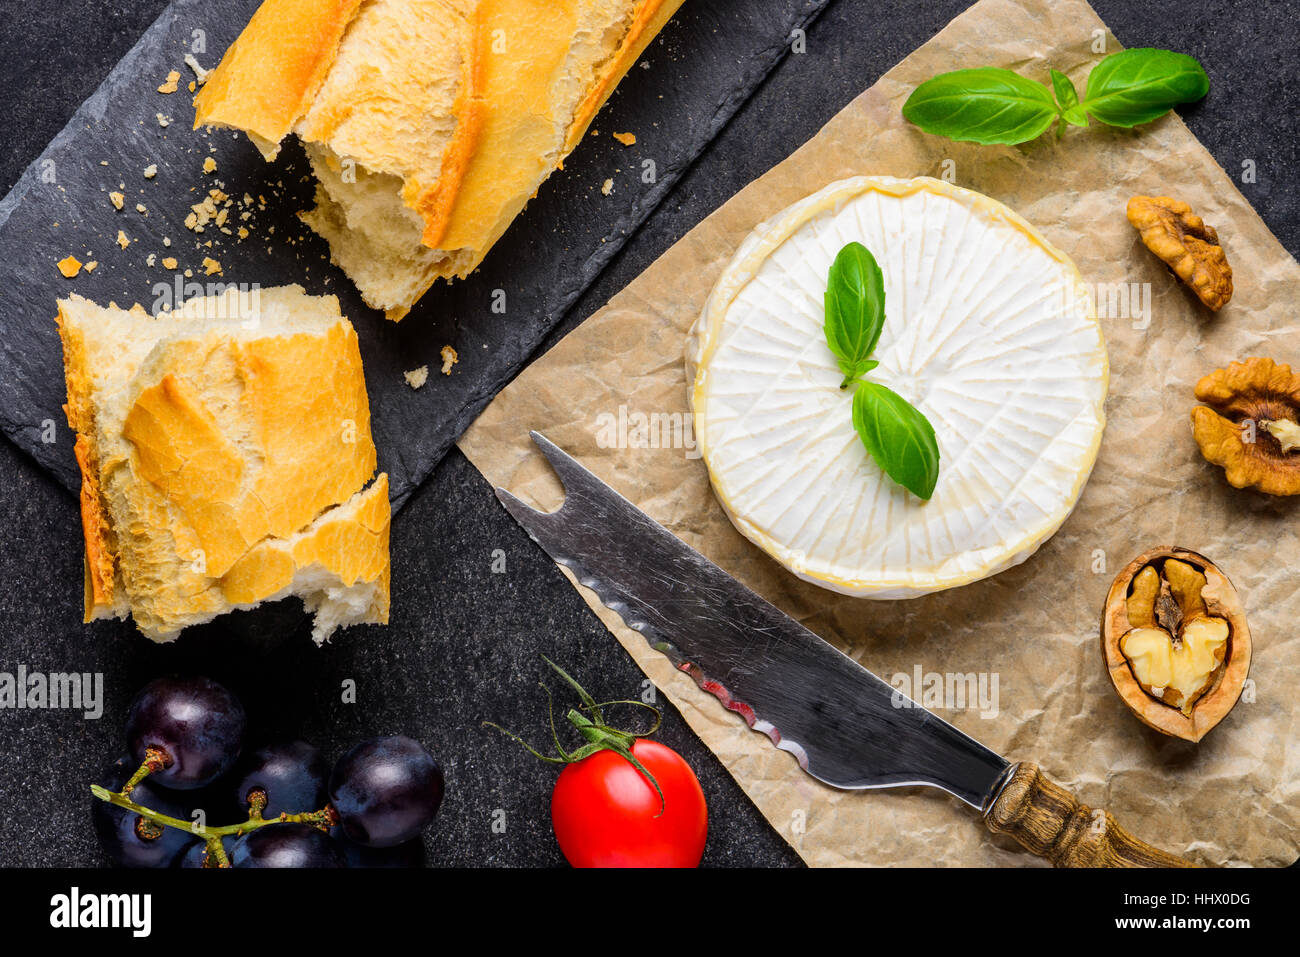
(844, 725)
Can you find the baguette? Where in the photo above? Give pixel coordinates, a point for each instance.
(429, 124)
(226, 460)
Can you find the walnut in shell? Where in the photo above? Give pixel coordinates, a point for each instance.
(1175, 641)
(1186, 244)
(1248, 425)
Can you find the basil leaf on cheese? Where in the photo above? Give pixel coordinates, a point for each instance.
(983, 105)
(1140, 85)
(898, 436)
(855, 310)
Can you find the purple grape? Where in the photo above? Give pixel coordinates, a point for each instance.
(292, 774)
(386, 790)
(286, 845)
(408, 855)
(195, 722)
(123, 834)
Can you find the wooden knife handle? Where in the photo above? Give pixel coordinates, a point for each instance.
(1049, 821)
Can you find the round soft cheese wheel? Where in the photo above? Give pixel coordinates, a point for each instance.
(989, 331)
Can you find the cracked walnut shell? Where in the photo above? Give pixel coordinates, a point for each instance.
(1186, 244)
(1248, 424)
(1175, 641)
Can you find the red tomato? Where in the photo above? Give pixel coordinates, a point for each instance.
(604, 810)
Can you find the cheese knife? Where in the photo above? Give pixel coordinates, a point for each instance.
(844, 725)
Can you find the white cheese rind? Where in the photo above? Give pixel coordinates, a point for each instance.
(989, 331)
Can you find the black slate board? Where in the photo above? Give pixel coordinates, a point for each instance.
(688, 84)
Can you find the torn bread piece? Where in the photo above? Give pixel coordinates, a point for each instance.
(226, 460)
(429, 123)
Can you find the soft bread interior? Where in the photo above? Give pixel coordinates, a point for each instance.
(225, 446)
(434, 121)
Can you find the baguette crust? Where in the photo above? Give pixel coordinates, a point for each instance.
(225, 454)
(468, 142)
(271, 73)
(649, 19)
(100, 558)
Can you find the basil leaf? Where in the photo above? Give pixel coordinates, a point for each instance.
(855, 309)
(1066, 95)
(1076, 115)
(1140, 85)
(983, 105)
(898, 437)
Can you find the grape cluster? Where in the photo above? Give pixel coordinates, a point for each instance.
(279, 805)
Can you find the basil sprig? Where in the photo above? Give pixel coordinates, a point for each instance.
(894, 431)
(993, 105)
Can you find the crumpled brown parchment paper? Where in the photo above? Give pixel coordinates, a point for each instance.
(1232, 799)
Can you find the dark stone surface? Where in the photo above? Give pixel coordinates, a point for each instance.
(463, 644)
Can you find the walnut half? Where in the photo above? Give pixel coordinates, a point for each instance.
(1175, 641)
(1248, 425)
(1186, 244)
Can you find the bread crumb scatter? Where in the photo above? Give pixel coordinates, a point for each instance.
(627, 139)
(449, 359)
(69, 266)
(169, 85)
(117, 199)
(417, 377)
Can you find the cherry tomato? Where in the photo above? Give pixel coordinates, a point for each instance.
(606, 814)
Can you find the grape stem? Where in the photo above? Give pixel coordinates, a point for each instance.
(211, 836)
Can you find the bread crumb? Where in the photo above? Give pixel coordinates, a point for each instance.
(151, 171)
(90, 266)
(116, 198)
(607, 187)
(150, 259)
(122, 241)
(140, 208)
(595, 132)
(627, 139)
(209, 165)
(191, 86)
(243, 233)
(211, 267)
(163, 121)
(169, 262)
(167, 241)
(449, 359)
(200, 74)
(69, 266)
(169, 85)
(417, 377)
